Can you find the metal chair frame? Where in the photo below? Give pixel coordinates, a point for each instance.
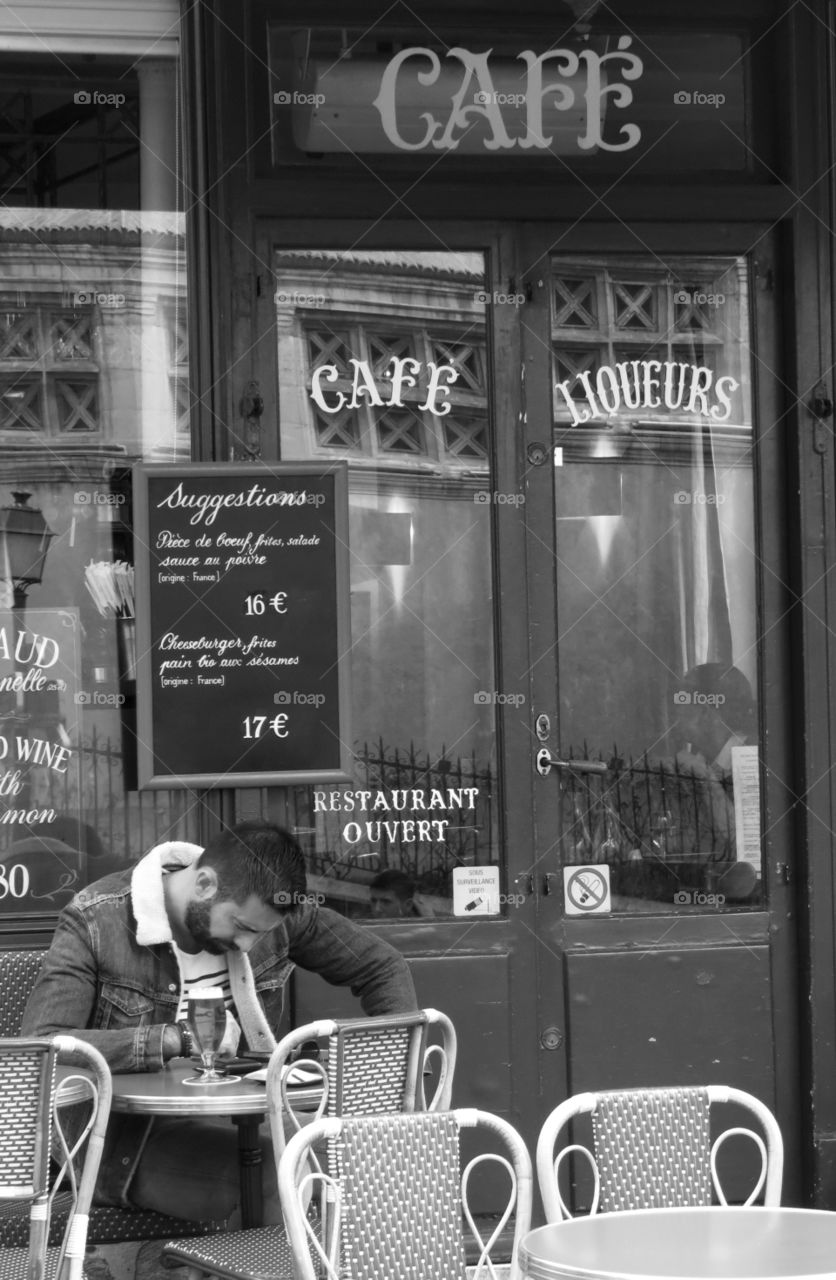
(353, 1081)
(26, 1145)
(331, 1252)
(628, 1102)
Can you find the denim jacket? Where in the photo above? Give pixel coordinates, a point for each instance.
(112, 978)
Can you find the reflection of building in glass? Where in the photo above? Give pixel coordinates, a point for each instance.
(382, 362)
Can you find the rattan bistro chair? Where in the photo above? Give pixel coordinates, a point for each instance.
(31, 1131)
(368, 1066)
(653, 1149)
(399, 1193)
(18, 971)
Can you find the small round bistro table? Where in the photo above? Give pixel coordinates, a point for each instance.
(164, 1093)
(712, 1243)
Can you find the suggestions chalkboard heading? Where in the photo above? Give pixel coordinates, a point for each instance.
(243, 624)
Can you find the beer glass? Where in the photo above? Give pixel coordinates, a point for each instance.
(207, 1022)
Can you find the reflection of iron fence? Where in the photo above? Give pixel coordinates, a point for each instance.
(458, 792)
(660, 811)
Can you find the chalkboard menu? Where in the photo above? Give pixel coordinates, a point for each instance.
(242, 624)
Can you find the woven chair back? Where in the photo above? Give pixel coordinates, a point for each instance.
(373, 1071)
(653, 1148)
(18, 971)
(388, 1217)
(27, 1088)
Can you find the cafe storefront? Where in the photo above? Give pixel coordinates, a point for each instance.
(550, 293)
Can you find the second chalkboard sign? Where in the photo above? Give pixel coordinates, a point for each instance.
(242, 624)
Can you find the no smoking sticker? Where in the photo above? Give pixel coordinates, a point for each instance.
(587, 890)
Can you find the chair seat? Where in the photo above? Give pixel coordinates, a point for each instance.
(13, 1265)
(108, 1225)
(262, 1253)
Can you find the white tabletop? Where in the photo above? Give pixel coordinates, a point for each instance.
(685, 1244)
(165, 1093)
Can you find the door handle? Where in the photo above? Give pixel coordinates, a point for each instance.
(525, 883)
(546, 762)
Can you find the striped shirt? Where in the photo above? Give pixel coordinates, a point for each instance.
(202, 970)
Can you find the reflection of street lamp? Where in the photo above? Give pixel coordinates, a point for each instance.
(24, 542)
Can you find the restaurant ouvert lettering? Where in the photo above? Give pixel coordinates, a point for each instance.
(648, 384)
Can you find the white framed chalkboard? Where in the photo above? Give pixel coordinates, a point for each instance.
(243, 625)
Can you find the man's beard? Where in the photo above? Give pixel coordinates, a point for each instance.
(197, 922)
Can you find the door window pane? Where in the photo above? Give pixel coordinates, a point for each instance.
(382, 362)
(656, 577)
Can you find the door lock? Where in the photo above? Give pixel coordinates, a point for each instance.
(546, 762)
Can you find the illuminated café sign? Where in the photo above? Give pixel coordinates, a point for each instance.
(468, 102)
(648, 384)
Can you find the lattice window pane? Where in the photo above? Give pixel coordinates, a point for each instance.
(575, 303)
(400, 431)
(468, 359)
(21, 404)
(692, 311)
(465, 434)
(340, 430)
(330, 347)
(571, 361)
(178, 340)
(383, 348)
(635, 306)
(182, 404)
(77, 403)
(18, 335)
(71, 337)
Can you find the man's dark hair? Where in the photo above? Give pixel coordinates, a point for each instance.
(398, 881)
(255, 858)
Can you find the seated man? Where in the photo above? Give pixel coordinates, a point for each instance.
(126, 951)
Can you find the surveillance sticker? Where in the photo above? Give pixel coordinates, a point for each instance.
(476, 891)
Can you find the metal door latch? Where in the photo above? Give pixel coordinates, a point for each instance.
(546, 762)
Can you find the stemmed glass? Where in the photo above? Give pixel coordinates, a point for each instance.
(207, 1022)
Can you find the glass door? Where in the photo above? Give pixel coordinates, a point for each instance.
(659, 665)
